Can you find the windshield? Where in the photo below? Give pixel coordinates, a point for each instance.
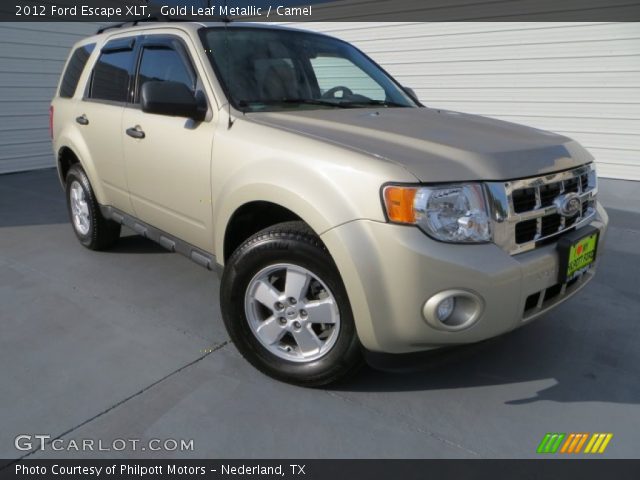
(268, 69)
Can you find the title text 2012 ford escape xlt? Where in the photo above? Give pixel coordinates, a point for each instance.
(340, 212)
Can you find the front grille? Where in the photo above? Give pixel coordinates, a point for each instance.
(526, 231)
(548, 193)
(524, 199)
(550, 225)
(526, 212)
(584, 182)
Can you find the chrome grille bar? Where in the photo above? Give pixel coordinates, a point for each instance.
(513, 229)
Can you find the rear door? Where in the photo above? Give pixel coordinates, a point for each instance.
(99, 117)
(169, 169)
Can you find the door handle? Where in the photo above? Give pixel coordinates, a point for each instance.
(82, 119)
(135, 132)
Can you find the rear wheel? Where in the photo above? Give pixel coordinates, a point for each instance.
(286, 309)
(92, 229)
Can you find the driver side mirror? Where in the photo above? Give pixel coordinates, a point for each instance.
(411, 92)
(172, 99)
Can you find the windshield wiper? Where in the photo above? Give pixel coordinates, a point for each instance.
(295, 101)
(372, 102)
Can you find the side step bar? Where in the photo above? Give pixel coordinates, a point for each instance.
(167, 241)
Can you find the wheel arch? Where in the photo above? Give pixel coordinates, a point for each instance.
(278, 203)
(71, 148)
(66, 158)
(249, 219)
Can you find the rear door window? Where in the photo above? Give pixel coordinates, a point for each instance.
(112, 73)
(74, 70)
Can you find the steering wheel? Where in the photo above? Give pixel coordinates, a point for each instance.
(331, 93)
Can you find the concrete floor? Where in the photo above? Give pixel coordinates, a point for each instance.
(129, 344)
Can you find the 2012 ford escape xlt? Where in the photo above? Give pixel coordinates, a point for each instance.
(341, 213)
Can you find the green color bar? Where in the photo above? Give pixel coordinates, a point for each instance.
(543, 443)
(556, 445)
(547, 448)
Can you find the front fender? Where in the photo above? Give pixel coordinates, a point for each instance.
(325, 185)
(321, 211)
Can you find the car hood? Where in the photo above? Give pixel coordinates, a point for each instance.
(436, 145)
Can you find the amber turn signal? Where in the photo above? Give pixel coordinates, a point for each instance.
(399, 203)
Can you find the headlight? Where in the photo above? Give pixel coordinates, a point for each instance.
(450, 213)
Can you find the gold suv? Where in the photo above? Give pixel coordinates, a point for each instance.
(342, 214)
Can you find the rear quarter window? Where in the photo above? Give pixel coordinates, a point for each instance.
(74, 70)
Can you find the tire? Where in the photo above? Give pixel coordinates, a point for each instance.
(93, 230)
(315, 341)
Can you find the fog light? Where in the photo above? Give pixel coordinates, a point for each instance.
(453, 310)
(445, 308)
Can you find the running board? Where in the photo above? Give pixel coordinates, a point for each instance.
(167, 241)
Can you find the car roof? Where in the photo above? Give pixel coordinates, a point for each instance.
(137, 26)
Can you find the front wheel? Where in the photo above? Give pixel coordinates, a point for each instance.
(286, 309)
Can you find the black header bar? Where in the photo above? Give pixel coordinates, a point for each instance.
(319, 469)
(323, 10)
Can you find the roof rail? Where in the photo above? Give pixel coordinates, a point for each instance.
(153, 18)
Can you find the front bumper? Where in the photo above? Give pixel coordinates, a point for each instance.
(389, 272)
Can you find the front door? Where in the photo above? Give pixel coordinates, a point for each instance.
(168, 158)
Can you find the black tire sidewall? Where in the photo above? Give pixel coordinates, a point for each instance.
(77, 174)
(301, 251)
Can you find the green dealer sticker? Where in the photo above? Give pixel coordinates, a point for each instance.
(581, 255)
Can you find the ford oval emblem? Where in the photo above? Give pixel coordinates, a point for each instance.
(568, 205)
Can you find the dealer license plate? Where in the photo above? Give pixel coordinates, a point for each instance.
(577, 256)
